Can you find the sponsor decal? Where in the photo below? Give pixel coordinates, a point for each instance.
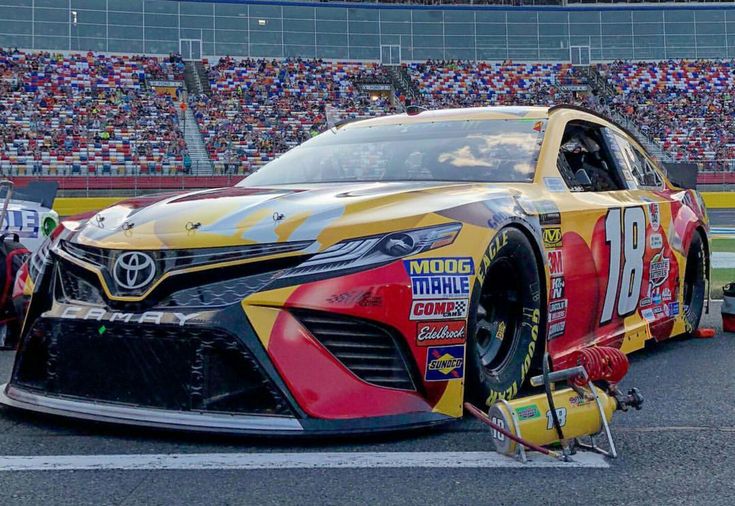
(552, 237)
(647, 314)
(431, 266)
(556, 329)
(666, 309)
(439, 309)
(578, 400)
(646, 301)
(555, 184)
(656, 298)
(432, 333)
(528, 412)
(558, 315)
(351, 298)
(666, 294)
(654, 215)
(557, 287)
(548, 213)
(657, 310)
(658, 270)
(445, 363)
(432, 287)
(556, 266)
(674, 308)
(100, 314)
(500, 332)
(496, 244)
(655, 241)
(558, 305)
(24, 222)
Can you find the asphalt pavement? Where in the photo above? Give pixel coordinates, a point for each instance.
(680, 449)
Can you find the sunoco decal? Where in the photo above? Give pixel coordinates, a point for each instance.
(447, 309)
(439, 278)
(444, 363)
(433, 333)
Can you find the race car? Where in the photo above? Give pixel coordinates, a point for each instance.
(371, 279)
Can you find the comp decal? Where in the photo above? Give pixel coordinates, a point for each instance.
(436, 333)
(444, 363)
(439, 278)
(440, 309)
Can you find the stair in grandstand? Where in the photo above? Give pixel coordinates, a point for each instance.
(403, 83)
(602, 92)
(201, 165)
(195, 78)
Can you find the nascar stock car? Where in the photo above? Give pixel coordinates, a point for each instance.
(370, 279)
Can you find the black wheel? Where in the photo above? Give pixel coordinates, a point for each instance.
(505, 319)
(694, 283)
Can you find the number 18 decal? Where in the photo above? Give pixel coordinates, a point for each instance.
(626, 237)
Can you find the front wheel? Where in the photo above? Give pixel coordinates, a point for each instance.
(694, 283)
(505, 318)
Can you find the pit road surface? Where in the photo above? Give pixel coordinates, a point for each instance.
(680, 449)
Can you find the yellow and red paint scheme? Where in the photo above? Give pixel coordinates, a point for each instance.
(320, 385)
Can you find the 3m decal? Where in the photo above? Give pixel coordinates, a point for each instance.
(439, 309)
(655, 241)
(626, 237)
(557, 288)
(556, 266)
(434, 266)
(445, 363)
(654, 215)
(552, 237)
(528, 412)
(433, 333)
(431, 287)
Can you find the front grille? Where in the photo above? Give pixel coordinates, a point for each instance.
(219, 293)
(155, 366)
(371, 351)
(176, 260)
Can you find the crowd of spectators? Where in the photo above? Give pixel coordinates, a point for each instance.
(687, 107)
(468, 84)
(84, 114)
(260, 108)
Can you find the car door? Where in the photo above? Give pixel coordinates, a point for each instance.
(595, 288)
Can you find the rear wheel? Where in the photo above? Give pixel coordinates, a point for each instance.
(505, 319)
(694, 283)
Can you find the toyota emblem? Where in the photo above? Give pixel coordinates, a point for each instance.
(133, 270)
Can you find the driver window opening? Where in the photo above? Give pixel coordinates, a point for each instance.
(586, 161)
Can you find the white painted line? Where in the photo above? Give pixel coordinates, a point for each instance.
(311, 460)
(723, 260)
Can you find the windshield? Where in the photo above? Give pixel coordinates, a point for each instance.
(498, 150)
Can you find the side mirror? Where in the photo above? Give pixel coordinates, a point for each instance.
(583, 178)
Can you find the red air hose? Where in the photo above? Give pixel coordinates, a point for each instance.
(602, 363)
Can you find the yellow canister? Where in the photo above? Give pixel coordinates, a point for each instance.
(578, 416)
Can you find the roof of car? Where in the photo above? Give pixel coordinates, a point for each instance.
(467, 113)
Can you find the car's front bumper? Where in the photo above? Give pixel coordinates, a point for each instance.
(24, 399)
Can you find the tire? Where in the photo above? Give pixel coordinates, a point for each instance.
(505, 317)
(694, 283)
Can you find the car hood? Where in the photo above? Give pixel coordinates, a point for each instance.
(323, 213)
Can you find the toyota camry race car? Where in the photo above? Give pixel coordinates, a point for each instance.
(370, 279)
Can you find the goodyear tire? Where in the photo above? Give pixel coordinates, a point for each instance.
(505, 318)
(694, 283)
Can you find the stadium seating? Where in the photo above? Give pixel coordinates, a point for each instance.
(260, 108)
(85, 114)
(686, 106)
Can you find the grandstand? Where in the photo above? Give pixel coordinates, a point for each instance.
(109, 106)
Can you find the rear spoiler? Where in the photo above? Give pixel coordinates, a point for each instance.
(40, 192)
